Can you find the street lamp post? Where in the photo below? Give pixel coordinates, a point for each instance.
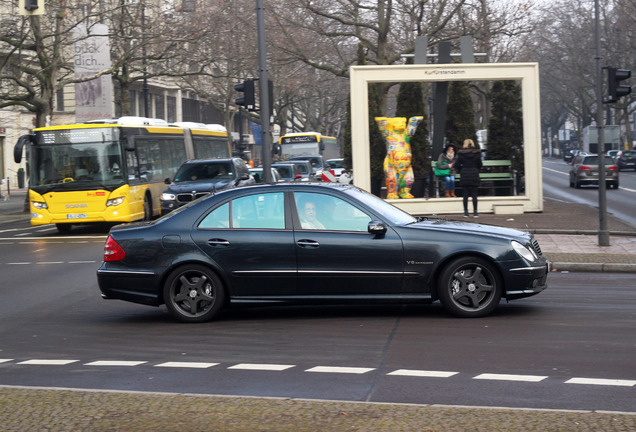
(603, 233)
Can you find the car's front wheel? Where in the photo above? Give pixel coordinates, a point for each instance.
(469, 287)
(193, 293)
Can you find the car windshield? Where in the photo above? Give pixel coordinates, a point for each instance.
(302, 168)
(388, 212)
(629, 154)
(77, 166)
(205, 171)
(335, 163)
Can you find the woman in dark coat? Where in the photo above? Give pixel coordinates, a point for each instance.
(468, 166)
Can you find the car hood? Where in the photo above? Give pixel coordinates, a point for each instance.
(470, 227)
(190, 186)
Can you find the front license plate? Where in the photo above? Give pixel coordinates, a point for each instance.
(77, 216)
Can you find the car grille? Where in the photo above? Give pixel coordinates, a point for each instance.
(536, 247)
(187, 197)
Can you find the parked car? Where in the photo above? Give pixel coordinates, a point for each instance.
(626, 159)
(316, 161)
(257, 173)
(288, 171)
(304, 168)
(575, 153)
(567, 155)
(613, 154)
(200, 177)
(314, 243)
(585, 169)
(335, 165)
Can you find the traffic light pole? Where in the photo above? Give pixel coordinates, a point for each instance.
(263, 85)
(603, 233)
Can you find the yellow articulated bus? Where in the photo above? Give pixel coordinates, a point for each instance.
(109, 171)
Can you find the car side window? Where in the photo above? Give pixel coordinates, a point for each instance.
(218, 218)
(260, 211)
(318, 211)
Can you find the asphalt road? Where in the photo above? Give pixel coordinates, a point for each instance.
(619, 202)
(571, 347)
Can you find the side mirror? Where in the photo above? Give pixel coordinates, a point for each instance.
(377, 228)
(167, 181)
(17, 150)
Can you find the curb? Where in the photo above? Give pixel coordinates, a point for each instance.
(593, 267)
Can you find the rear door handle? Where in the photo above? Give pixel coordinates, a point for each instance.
(218, 242)
(308, 243)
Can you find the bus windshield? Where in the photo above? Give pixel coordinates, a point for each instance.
(77, 166)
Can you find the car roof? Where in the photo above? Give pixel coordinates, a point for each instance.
(196, 161)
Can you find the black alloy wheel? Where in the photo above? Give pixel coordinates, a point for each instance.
(193, 293)
(469, 287)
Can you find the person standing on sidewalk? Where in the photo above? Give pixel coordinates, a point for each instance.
(447, 160)
(468, 166)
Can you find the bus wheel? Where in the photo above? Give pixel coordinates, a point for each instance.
(63, 228)
(147, 209)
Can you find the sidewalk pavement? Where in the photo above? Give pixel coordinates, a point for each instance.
(567, 233)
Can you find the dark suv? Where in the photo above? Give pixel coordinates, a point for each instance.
(201, 177)
(626, 159)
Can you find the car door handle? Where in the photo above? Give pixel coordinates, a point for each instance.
(308, 243)
(218, 242)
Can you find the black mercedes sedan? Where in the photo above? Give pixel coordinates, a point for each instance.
(314, 243)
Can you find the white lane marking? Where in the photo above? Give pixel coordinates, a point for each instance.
(19, 263)
(114, 363)
(82, 262)
(342, 370)
(508, 377)
(45, 362)
(423, 373)
(50, 262)
(602, 382)
(5, 360)
(195, 365)
(261, 367)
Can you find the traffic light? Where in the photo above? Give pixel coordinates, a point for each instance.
(614, 77)
(248, 100)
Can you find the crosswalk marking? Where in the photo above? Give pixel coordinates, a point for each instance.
(261, 367)
(602, 382)
(508, 377)
(342, 370)
(114, 363)
(45, 362)
(194, 365)
(423, 373)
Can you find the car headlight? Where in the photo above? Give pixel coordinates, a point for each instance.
(168, 197)
(39, 205)
(114, 201)
(524, 251)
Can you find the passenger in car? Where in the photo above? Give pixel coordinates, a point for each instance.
(308, 217)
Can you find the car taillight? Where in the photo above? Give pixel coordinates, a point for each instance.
(112, 250)
(612, 168)
(584, 168)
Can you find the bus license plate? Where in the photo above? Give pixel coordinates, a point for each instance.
(77, 216)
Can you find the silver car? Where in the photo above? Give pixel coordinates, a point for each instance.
(585, 170)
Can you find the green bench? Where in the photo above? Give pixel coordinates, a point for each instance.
(496, 176)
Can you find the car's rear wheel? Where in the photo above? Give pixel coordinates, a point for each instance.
(469, 287)
(193, 293)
